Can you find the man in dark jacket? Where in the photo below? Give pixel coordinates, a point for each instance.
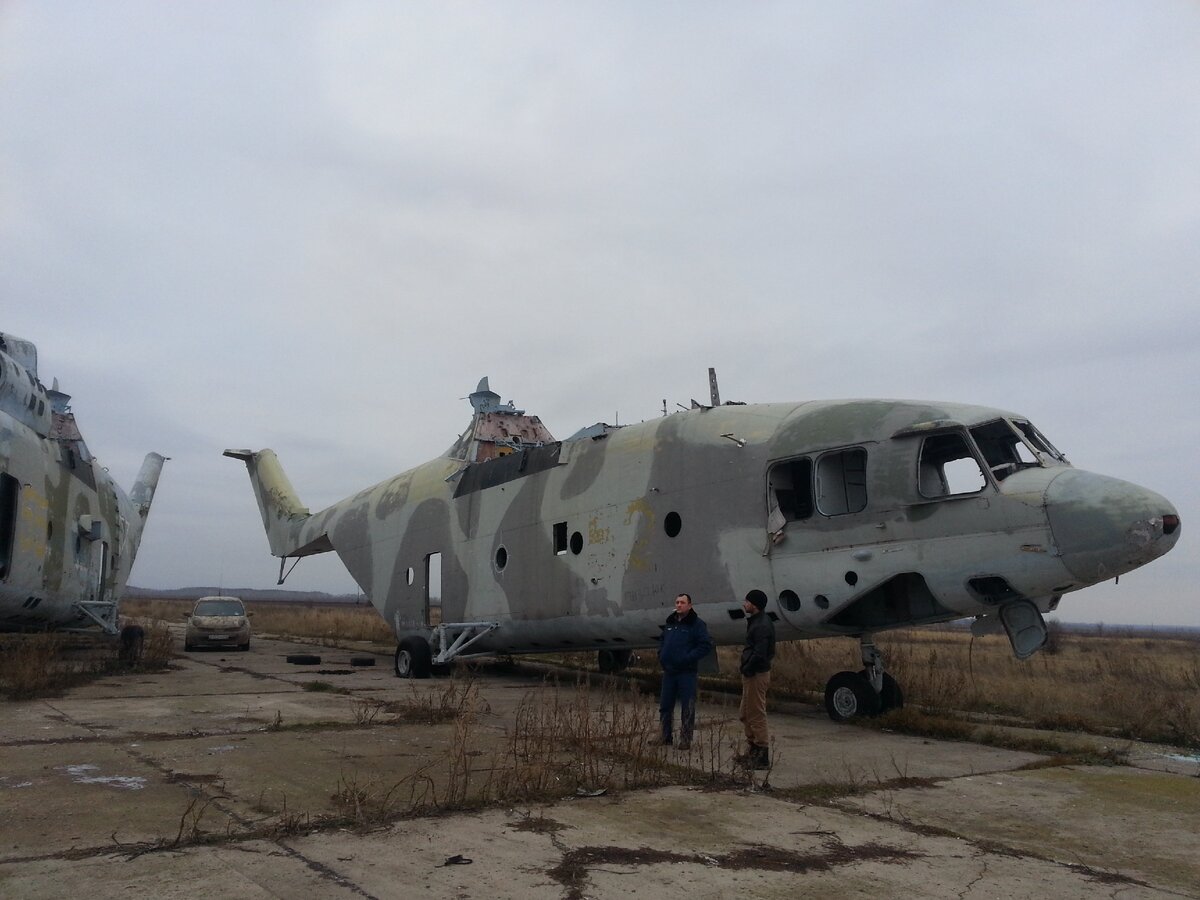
(685, 642)
(756, 675)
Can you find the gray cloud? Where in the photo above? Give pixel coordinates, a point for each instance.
(314, 226)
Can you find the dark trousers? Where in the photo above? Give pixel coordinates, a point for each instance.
(678, 687)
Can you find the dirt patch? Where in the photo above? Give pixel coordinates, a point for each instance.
(539, 825)
(572, 872)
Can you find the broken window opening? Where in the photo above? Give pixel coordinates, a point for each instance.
(842, 482)
(1039, 440)
(560, 538)
(789, 492)
(1002, 449)
(948, 467)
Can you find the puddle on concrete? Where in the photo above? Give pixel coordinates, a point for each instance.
(81, 774)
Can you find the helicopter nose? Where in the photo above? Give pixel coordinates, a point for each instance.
(1104, 527)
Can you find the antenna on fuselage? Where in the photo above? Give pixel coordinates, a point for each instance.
(714, 392)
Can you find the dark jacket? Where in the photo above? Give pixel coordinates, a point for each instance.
(760, 644)
(684, 643)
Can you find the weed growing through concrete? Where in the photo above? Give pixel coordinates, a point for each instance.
(324, 687)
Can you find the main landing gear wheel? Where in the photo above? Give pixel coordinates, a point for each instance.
(133, 642)
(890, 697)
(414, 659)
(848, 695)
(610, 661)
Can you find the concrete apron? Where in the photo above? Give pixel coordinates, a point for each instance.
(97, 786)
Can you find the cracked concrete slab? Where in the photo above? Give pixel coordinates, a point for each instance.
(1119, 819)
(230, 749)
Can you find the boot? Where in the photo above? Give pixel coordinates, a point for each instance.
(760, 756)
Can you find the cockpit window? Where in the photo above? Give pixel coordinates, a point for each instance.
(1002, 448)
(948, 467)
(842, 482)
(1038, 439)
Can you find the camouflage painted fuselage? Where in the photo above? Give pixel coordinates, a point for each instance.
(842, 513)
(68, 533)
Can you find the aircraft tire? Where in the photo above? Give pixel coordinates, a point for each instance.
(612, 661)
(848, 695)
(413, 658)
(891, 697)
(133, 641)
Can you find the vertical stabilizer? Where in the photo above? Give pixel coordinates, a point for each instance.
(283, 514)
(142, 493)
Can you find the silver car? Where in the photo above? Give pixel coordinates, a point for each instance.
(218, 622)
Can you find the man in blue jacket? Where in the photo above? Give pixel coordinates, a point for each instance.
(685, 642)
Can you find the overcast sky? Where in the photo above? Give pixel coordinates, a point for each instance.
(315, 226)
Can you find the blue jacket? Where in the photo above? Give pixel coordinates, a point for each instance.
(684, 643)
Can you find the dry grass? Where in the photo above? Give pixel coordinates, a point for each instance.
(32, 666)
(42, 665)
(563, 743)
(1147, 688)
(323, 624)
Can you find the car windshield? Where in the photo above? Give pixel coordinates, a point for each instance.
(222, 606)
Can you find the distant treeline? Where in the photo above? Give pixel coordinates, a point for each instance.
(255, 594)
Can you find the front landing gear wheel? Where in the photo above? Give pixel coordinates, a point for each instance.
(848, 695)
(413, 658)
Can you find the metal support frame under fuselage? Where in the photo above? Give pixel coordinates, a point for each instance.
(102, 612)
(455, 637)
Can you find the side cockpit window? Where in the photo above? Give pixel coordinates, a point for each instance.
(842, 482)
(948, 467)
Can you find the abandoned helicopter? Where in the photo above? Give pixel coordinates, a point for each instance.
(68, 533)
(851, 516)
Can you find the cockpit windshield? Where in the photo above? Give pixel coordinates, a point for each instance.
(1007, 449)
(955, 461)
(1038, 439)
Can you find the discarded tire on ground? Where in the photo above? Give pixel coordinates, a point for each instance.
(304, 659)
(362, 660)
